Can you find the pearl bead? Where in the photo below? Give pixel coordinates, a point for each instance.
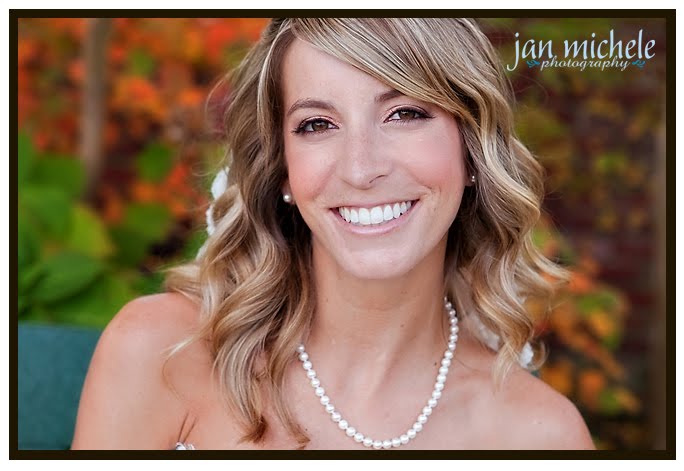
(427, 410)
(320, 391)
(307, 365)
(451, 347)
(411, 433)
(329, 408)
(358, 437)
(436, 394)
(439, 386)
(342, 424)
(417, 426)
(453, 321)
(335, 416)
(422, 419)
(351, 431)
(303, 356)
(367, 442)
(453, 338)
(300, 348)
(311, 374)
(452, 313)
(448, 306)
(325, 400)
(432, 402)
(387, 444)
(317, 382)
(443, 370)
(404, 439)
(377, 444)
(448, 355)
(454, 329)
(441, 378)
(396, 442)
(446, 362)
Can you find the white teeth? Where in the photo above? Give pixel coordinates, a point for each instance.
(364, 216)
(375, 215)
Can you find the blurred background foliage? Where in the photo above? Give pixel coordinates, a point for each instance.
(82, 255)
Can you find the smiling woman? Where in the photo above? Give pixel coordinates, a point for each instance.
(376, 221)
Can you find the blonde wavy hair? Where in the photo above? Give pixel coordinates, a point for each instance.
(252, 279)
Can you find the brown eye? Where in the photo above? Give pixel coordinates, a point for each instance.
(406, 114)
(318, 125)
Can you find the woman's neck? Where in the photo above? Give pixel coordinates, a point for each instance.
(374, 326)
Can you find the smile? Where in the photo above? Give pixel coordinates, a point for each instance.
(376, 215)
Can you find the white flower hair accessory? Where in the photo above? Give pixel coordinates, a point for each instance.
(218, 187)
(494, 342)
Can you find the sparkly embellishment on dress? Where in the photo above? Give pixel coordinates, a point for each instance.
(184, 446)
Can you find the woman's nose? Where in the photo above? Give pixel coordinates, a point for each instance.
(364, 159)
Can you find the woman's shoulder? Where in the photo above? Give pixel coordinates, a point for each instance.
(134, 394)
(540, 416)
(524, 411)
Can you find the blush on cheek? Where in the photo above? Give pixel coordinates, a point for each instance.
(308, 175)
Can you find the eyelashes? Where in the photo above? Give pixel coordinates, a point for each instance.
(318, 125)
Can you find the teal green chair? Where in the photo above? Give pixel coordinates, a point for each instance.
(53, 361)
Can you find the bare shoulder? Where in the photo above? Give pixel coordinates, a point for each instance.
(132, 396)
(522, 412)
(540, 417)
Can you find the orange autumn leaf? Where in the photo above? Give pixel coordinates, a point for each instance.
(191, 97)
(559, 376)
(580, 283)
(144, 192)
(590, 385)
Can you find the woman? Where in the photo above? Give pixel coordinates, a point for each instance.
(376, 197)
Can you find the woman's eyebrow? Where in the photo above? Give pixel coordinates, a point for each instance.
(326, 105)
(310, 103)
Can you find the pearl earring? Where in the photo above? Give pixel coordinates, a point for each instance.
(472, 179)
(287, 197)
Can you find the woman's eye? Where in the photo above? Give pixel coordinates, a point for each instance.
(315, 125)
(406, 115)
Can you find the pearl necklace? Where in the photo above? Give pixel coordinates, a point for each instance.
(368, 442)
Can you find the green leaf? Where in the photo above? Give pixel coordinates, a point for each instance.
(130, 250)
(140, 63)
(88, 234)
(96, 305)
(150, 284)
(601, 300)
(66, 273)
(47, 208)
(29, 277)
(25, 157)
(28, 244)
(65, 173)
(608, 402)
(154, 163)
(150, 221)
(193, 244)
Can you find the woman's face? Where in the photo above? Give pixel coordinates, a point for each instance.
(377, 176)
